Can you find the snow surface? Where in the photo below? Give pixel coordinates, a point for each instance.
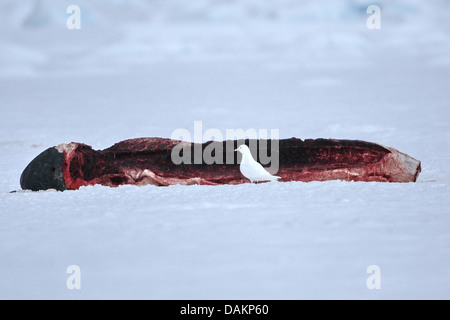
(145, 68)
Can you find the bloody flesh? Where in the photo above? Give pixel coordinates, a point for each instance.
(148, 161)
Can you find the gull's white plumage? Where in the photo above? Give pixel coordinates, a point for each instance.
(251, 169)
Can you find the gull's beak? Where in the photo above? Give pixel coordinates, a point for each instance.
(235, 149)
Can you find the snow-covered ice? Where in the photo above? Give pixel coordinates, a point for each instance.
(145, 68)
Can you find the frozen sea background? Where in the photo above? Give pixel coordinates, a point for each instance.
(146, 68)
